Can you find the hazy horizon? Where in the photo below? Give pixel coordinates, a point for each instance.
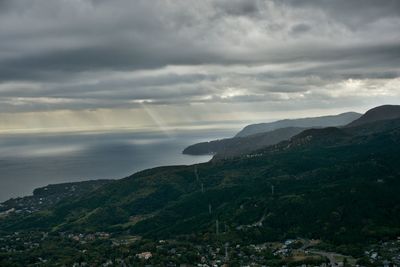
(56, 125)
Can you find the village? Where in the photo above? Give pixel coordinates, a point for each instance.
(106, 249)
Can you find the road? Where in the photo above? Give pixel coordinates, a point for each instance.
(330, 255)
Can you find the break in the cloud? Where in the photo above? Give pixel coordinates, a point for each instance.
(187, 60)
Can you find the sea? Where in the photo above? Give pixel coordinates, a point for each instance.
(29, 161)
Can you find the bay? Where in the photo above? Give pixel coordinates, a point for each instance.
(29, 161)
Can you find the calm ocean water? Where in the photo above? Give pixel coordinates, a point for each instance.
(29, 161)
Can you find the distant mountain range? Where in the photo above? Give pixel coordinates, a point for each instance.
(314, 122)
(256, 136)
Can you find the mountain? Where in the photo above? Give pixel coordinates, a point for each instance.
(316, 122)
(257, 136)
(232, 147)
(385, 112)
(336, 184)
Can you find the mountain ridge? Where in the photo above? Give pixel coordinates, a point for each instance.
(309, 122)
(278, 131)
(231, 147)
(384, 112)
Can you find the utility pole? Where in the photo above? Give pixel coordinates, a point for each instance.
(217, 227)
(202, 187)
(226, 251)
(209, 208)
(196, 173)
(272, 189)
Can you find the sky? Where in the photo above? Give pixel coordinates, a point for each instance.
(96, 64)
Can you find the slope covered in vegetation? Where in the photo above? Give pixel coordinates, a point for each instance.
(339, 185)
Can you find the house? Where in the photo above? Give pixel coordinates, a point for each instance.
(144, 255)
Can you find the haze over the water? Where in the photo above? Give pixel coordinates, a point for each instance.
(29, 161)
(84, 65)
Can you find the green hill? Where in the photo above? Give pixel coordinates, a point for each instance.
(338, 185)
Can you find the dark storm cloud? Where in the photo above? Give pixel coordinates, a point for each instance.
(113, 57)
(300, 28)
(77, 54)
(5, 5)
(238, 7)
(356, 13)
(144, 41)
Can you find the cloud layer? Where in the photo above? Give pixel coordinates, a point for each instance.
(229, 56)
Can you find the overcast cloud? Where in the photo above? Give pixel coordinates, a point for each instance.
(242, 59)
